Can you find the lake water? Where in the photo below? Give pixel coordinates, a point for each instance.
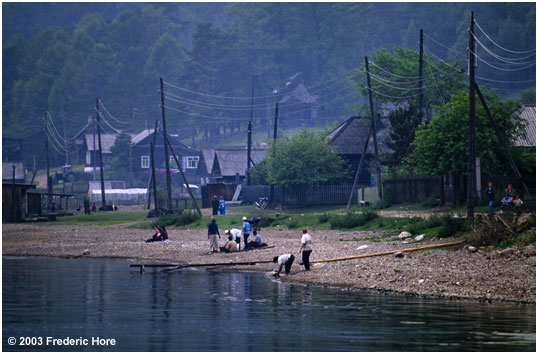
(51, 301)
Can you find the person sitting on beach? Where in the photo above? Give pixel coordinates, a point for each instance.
(164, 233)
(212, 232)
(230, 246)
(236, 236)
(285, 260)
(157, 236)
(257, 241)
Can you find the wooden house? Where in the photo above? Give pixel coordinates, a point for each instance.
(297, 108)
(348, 140)
(15, 203)
(229, 164)
(527, 141)
(188, 157)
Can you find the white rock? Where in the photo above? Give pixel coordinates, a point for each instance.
(472, 249)
(404, 234)
(420, 237)
(361, 247)
(420, 281)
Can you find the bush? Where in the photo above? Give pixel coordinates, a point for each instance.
(385, 203)
(429, 202)
(452, 226)
(323, 218)
(177, 219)
(500, 229)
(351, 220)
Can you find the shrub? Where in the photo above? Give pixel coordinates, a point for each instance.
(351, 220)
(429, 202)
(385, 203)
(501, 230)
(323, 218)
(177, 219)
(452, 226)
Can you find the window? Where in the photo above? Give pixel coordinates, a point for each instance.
(144, 161)
(191, 161)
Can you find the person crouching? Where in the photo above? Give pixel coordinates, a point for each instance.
(285, 260)
(230, 246)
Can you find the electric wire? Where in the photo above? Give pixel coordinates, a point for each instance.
(501, 47)
(512, 61)
(498, 68)
(458, 54)
(111, 116)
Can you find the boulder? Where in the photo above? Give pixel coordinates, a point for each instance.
(420, 237)
(472, 249)
(399, 255)
(361, 247)
(529, 250)
(404, 234)
(507, 252)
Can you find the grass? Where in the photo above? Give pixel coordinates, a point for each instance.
(103, 218)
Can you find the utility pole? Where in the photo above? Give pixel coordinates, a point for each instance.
(250, 127)
(272, 187)
(103, 198)
(166, 156)
(93, 157)
(472, 125)
(65, 140)
(420, 64)
(49, 185)
(377, 167)
(152, 156)
(359, 168)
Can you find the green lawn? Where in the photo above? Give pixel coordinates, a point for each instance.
(104, 218)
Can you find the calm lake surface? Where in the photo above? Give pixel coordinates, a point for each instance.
(202, 311)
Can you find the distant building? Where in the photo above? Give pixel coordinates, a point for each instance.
(115, 192)
(527, 141)
(15, 203)
(349, 138)
(297, 108)
(229, 164)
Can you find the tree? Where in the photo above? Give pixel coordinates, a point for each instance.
(404, 123)
(120, 153)
(441, 146)
(303, 158)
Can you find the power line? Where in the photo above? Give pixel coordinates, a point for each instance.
(513, 61)
(111, 116)
(498, 68)
(458, 54)
(506, 82)
(498, 45)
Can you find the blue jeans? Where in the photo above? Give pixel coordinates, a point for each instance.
(491, 206)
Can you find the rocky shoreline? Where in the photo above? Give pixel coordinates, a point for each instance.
(455, 272)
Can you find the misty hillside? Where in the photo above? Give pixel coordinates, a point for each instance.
(60, 57)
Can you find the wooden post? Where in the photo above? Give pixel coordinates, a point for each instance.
(272, 187)
(166, 156)
(49, 184)
(184, 179)
(152, 153)
(420, 65)
(377, 167)
(472, 125)
(103, 197)
(499, 136)
(249, 138)
(355, 181)
(13, 195)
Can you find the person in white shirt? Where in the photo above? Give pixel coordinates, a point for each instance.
(285, 260)
(236, 236)
(306, 248)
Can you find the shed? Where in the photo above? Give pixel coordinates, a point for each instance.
(349, 138)
(528, 139)
(230, 163)
(15, 201)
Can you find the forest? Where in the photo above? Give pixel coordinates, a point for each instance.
(224, 62)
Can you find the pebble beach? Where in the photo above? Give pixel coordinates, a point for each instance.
(454, 272)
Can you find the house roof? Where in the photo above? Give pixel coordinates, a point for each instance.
(107, 140)
(233, 160)
(179, 147)
(137, 138)
(301, 94)
(349, 137)
(528, 113)
(208, 157)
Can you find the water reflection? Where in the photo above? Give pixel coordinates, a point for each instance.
(204, 311)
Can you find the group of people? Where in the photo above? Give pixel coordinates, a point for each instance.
(510, 198)
(233, 244)
(218, 205)
(160, 234)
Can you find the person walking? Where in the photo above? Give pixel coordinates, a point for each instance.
(490, 194)
(306, 248)
(215, 205)
(212, 232)
(246, 231)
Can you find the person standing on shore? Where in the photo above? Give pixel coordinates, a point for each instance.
(246, 230)
(285, 260)
(215, 205)
(306, 248)
(490, 193)
(212, 232)
(222, 205)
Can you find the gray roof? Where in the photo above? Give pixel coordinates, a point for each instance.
(107, 140)
(209, 156)
(141, 136)
(301, 94)
(349, 137)
(233, 160)
(528, 113)
(96, 185)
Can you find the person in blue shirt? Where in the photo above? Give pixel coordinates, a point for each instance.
(490, 194)
(246, 231)
(222, 205)
(257, 241)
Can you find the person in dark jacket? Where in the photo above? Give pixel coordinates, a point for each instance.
(212, 232)
(490, 194)
(215, 205)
